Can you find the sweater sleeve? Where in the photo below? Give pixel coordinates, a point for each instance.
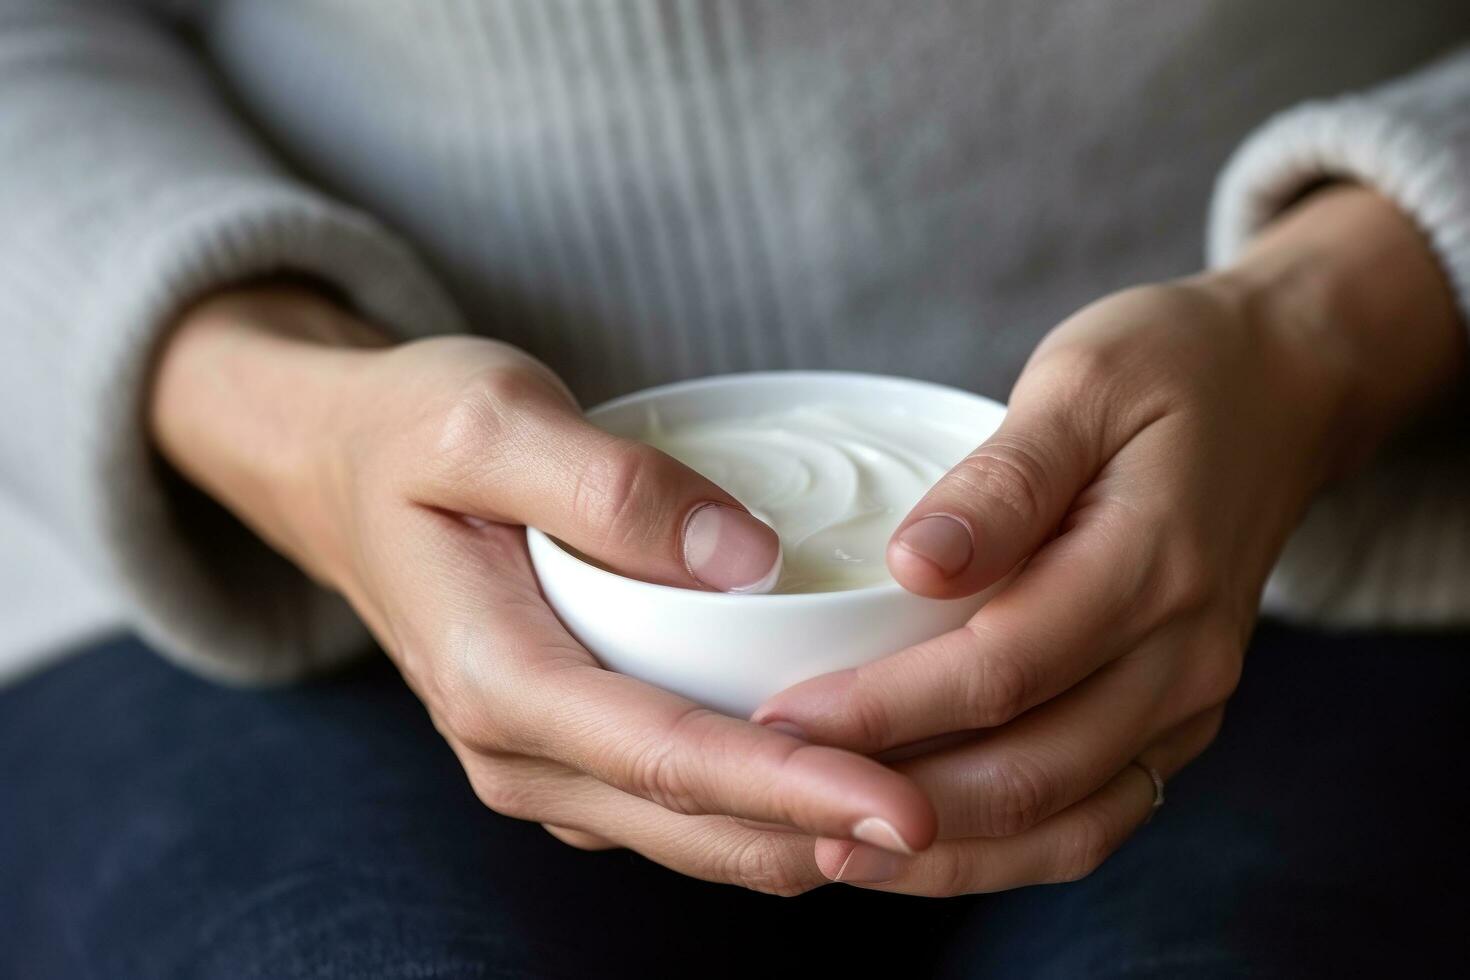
(127, 189)
(1389, 546)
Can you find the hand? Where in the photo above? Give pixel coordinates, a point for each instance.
(1160, 447)
(402, 476)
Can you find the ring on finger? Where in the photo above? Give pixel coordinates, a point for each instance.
(1158, 781)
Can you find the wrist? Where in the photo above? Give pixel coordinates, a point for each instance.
(247, 403)
(1349, 298)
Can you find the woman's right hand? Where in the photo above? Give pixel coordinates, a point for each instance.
(402, 477)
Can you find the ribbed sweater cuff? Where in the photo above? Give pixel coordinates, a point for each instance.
(200, 587)
(1411, 161)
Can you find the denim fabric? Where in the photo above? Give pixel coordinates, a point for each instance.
(155, 826)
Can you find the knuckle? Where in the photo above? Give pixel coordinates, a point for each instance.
(760, 866)
(1019, 795)
(957, 873)
(501, 790)
(482, 413)
(1084, 848)
(1217, 671)
(1001, 686)
(470, 727)
(1011, 472)
(1079, 373)
(1086, 382)
(615, 494)
(870, 715)
(657, 772)
(1189, 582)
(465, 718)
(1192, 587)
(461, 690)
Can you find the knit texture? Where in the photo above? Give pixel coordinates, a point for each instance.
(645, 191)
(93, 270)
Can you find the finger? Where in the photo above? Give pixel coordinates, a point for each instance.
(775, 828)
(515, 449)
(586, 813)
(1184, 743)
(692, 760)
(536, 692)
(717, 849)
(1069, 846)
(1014, 778)
(708, 847)
(579, 839)
(997, 506)
(1068, 612)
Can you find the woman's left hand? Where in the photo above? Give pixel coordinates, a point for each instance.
(1160, 446)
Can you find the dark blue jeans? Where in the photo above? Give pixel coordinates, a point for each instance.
(155, 826)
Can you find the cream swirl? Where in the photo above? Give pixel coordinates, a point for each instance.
(833, 480)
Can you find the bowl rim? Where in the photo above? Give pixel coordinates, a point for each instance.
(859, 594)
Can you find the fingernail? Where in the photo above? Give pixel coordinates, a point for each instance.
(941, 539)
(826, 697)
(881, 833)
(869, 866)
(728, 550)
(788, 727)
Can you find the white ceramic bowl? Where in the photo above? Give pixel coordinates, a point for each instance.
(731, 652)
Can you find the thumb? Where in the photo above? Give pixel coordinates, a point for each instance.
(995, 508)
(525, 455)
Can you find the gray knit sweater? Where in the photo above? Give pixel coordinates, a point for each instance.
(639, 191)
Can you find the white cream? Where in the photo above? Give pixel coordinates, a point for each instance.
(833, 480)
